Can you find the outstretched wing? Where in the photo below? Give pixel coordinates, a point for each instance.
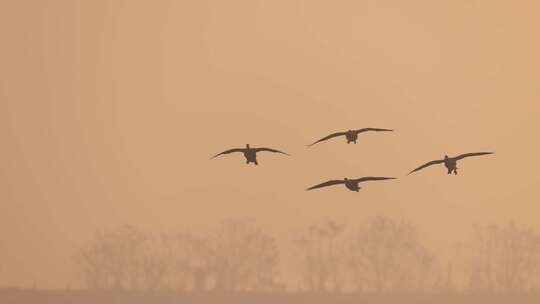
(326, 184)
(328, 137)
(427, 165)
(471, 154)
(269, 150)
(373, 129)
(228, 151)
(372, 178)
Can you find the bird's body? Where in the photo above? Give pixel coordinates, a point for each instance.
(351, 135)
(351, 184)
(251, 156)
(450, 162)
(249, 153)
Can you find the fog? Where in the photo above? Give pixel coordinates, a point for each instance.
(110, 111)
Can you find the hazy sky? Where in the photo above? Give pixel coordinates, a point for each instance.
(109, 111)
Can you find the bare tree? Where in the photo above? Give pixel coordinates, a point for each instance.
(128, 258)
(320, 257)
(155, 264)
(189, 261)
(237, 257)
(112, 259)
(504, 259)
(386, 256)
(244, 257)
(201, 263)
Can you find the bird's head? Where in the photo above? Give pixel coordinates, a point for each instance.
(345, 179)
(446, 157)
(247, 146)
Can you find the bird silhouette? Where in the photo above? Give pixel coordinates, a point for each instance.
(351, 184)
(249, 153)
(351, 135)
(450, 162)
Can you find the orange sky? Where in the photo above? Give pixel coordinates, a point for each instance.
(109, 111)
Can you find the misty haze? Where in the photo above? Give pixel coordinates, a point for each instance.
(160, 151)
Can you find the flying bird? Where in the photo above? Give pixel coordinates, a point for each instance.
(249, 153)
(351, 184)
(351, 135)
(450, 162)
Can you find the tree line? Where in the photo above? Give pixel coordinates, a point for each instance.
(382, 255)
